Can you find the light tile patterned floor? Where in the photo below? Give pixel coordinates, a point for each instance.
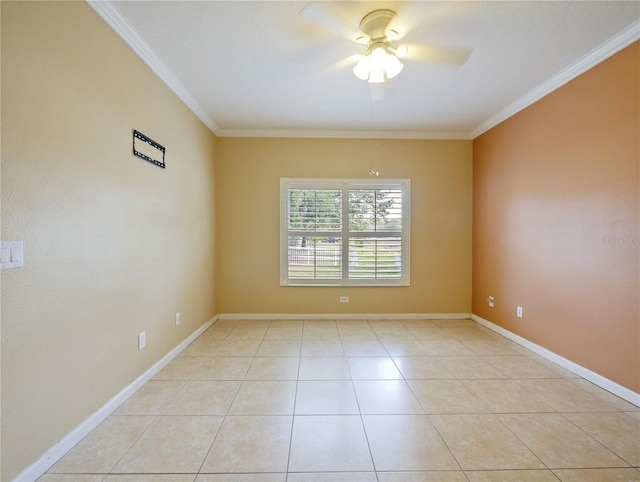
(353, 400)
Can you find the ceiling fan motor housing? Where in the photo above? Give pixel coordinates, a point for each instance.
(375, 23)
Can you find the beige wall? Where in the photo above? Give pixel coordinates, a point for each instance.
(247, 187)
(113, 245)
(555, 220)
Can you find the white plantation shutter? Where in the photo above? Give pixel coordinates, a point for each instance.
(315, 210)
(344, 232)
(375, 258)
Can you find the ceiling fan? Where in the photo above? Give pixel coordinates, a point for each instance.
(380, 61)
(380, 30)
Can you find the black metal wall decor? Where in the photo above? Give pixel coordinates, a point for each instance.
(147, 149)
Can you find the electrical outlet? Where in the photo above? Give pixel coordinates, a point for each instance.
(344, 299)
(178, 318)
(519, 311)
(491, 301)
(142, 340)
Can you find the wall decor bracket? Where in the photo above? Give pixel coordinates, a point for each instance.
(141, 149)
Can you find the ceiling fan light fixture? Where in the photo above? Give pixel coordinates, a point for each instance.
(377, 65)
(376, 76)
(393, 66)
(378, 53)
(362, 68)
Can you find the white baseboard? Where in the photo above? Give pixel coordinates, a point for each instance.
(55, 453)
(603, 382)
(344, 316)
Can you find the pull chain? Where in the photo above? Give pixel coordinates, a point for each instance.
(373, 171)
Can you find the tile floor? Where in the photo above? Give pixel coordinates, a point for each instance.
(394, 400)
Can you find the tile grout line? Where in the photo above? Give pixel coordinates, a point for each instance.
(562, 414)
(155, 419)
(224, 418)
(355, 395)
(426, 414)
(295, 400)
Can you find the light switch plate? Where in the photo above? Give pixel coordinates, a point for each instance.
(11, 254)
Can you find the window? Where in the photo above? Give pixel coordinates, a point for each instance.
(344, 232)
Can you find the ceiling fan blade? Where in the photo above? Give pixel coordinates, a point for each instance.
(341, 64)
(409, 15)
(437, 55)
(328, 17)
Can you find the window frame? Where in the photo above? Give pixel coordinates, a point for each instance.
(404, 185)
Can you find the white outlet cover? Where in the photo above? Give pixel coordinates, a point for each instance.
(142, 340)
(519, 311)
(178, 320)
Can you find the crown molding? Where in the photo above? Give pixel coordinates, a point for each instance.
(344, 134)
(111, 15)
(612, 46)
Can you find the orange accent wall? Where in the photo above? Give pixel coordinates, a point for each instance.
(556, 220)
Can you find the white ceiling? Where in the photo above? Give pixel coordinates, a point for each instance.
(260, 68)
